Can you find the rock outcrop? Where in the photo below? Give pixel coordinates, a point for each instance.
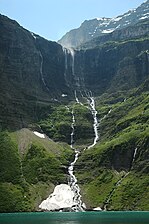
(91, 29)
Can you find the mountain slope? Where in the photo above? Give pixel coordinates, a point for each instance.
(42, 86)
(32, 74)
(139, 30)
(91, 29)
(114, 174)
(30, 168)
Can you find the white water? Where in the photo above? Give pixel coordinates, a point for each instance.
(76, 98)
(69, 52)
(134, 155)
(119, 181)
(73, 59)
(41, 65)
(91, 102)
(72, 179)
(76, 78)
(41, 71)
(105, 116)
(65, 50)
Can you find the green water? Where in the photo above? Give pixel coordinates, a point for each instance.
(75, 218)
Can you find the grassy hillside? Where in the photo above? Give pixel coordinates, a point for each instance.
(100, 168)
(57, 124)
(30, 168)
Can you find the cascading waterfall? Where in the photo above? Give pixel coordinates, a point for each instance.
(41, 71)
(76, 81)
(118, 183)
(66, 62)
(76, 98)
(66, 52)
(72, 179)
(73, 59)
(91, 102)
(105, 116)
(41, 63)
(134, 155)
(66, 196)
(75, 77)
(74, 202)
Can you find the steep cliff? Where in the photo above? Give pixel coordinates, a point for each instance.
(32, 74)
(42, 85)
(114, 66)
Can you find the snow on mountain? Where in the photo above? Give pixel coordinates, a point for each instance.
(90, 29)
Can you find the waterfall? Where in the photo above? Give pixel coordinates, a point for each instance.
(41, 64)
(72, 127)
(41, 71)
(65, 50)
(76, 79)
(69, 53)
(91, 102)
(72, 53)
(72, 179)
(76, 98)
(105, 116)
(134, 155)
(118, 183)
(66, 197)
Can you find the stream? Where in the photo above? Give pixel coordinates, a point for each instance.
(79, 206)
(118, 183)
(67, 197)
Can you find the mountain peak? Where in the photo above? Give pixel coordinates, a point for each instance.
(96, 27)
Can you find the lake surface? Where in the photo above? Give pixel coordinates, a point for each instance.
(75, 218)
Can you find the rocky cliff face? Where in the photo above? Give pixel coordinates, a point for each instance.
(42, 85)
(141, 29)
(113, 67)
(32, 72)
(91, 29)
(36, 70)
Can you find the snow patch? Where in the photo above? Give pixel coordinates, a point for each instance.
(33, 35)
(62, 197)
(97, 209)
(40, 135)
(102, 19)
(143, 17)
(117, 18)
(108, 31)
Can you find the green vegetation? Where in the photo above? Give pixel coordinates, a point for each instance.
(116, 69)
(12, 198)
(39, 165)
(57, 125)
(35, 166)
(121, 132)
(30, 168)
(9, 160)
(132, 194)
(83, 125)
